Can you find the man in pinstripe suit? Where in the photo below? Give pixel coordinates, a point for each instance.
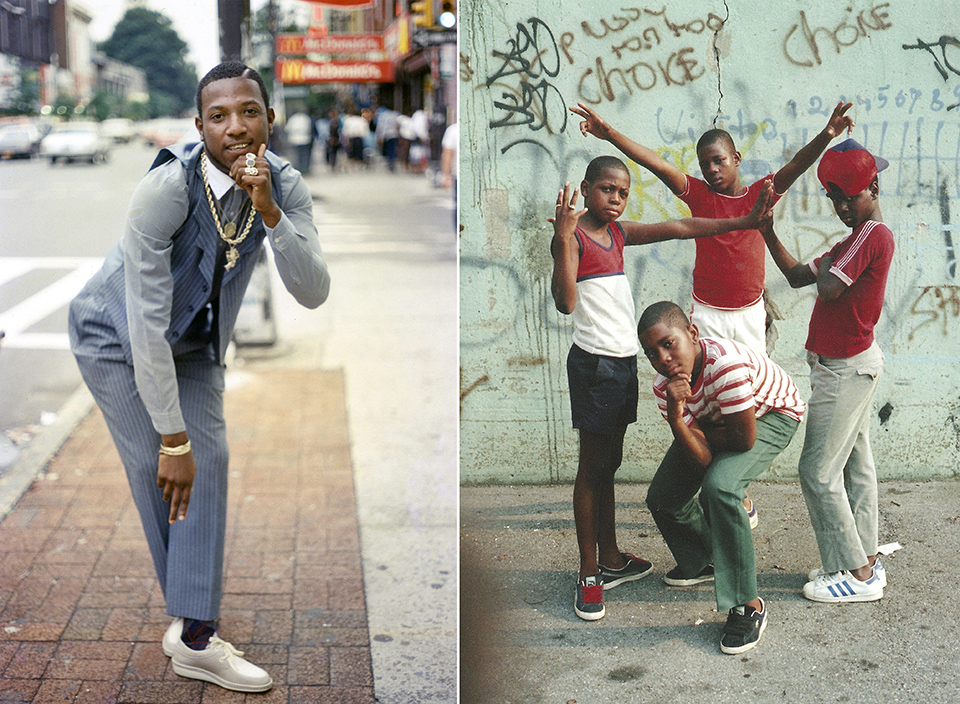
(150, 329)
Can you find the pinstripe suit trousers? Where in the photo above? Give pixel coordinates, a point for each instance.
(188, 555)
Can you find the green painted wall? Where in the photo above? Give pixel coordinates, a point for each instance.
(663, 74)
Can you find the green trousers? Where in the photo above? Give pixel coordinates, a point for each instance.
(716, 529)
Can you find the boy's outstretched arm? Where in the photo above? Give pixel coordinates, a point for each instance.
(797, 274)
(565, 250)
(804, 158)
(645, 233)
(593, 124)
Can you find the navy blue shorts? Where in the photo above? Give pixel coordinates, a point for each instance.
(603, 391)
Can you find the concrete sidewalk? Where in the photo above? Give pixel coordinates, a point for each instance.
(82, 611)
(522, 643)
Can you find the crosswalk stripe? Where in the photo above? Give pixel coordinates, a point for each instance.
(17, 319)
(37, 341)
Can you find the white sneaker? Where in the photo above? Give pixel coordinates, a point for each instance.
(878, 570)
(171, 636)
(842, 587)
(221, 664)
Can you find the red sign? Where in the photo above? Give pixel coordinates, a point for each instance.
(349, 4)
(298, 44)
(298, 71)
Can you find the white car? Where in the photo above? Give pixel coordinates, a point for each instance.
(21, 139)
(75, 140)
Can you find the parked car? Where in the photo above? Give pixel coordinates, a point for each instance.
(119, 129)
(75, 140)
(20, 140)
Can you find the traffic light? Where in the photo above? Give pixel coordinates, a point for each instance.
(448, 14)
(421, 11)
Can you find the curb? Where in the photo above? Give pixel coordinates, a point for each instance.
(42, 448)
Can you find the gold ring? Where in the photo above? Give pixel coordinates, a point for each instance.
(251, 171)
(251, 159)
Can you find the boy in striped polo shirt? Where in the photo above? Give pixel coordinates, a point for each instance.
(837, 473)
(732, 411)
(589, 283)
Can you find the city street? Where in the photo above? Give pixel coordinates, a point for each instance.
(389, 327)
(58, 223)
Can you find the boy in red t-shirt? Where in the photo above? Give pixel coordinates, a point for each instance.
(836, 468)
(728, 272)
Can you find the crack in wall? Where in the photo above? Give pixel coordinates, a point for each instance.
(716, 53)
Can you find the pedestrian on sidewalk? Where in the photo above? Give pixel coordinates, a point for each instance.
(331, 137)
(589, 283)
(732, 411)
(388, 135)
(300, 133)
(837, 473)
(150, 330)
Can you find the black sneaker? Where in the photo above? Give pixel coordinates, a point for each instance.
(675, 577)
(743, 629)
(589, 600)
(635, 568)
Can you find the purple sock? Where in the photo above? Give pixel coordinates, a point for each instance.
(196, 634)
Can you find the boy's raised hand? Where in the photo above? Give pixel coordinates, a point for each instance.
(763, 208)
(592, 122)
(567, 217)
(678, 392)
(840, 120)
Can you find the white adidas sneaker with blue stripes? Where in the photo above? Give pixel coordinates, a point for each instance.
(841, 587)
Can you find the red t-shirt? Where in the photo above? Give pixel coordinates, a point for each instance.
(729, 269)
(844, 327)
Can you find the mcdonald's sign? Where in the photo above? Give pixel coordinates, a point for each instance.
(299, 71)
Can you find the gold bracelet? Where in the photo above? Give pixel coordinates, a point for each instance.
(175, 451)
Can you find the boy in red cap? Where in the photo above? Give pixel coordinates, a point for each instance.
(837, 473)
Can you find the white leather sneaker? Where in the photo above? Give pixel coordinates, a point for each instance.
(842, 587)
(878, 570)
(171, 636)
(221, 664)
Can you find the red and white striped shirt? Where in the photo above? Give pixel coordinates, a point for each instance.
(733, 379)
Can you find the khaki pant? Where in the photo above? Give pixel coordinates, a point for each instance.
(837, 474)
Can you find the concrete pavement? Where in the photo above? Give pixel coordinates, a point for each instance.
(522, 643)
(341, 565)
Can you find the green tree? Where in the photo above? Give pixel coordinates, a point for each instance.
(146, 39)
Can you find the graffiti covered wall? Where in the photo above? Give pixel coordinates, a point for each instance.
(662, 74)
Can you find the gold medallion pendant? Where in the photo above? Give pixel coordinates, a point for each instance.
(228, 231)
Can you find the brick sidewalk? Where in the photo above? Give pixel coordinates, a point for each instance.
(82, 613)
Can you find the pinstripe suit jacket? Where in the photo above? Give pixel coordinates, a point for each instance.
(99, 324)
(192, 257)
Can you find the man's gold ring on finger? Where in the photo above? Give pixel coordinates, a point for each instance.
(251, 171)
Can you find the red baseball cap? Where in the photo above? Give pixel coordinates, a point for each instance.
(849, 167)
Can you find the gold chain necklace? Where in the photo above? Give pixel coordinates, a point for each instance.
(228, 230)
